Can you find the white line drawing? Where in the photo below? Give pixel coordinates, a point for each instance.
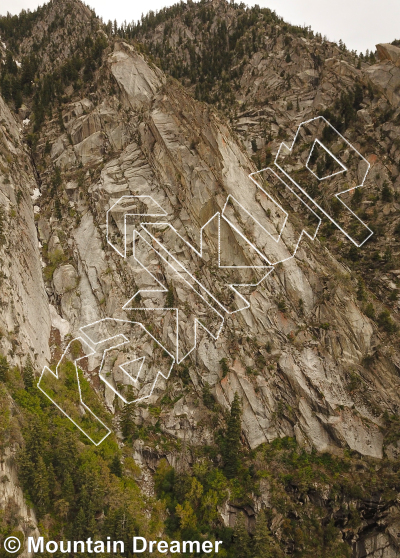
(143, 235)
(170, 260)
(57, 376)
(317, 142)
(130, 213)
(123, 341)
(303, 232)
(197, 322)
(290, 150)
(125, 364)
(92, 345)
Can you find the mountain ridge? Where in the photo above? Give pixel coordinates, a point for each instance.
(314, 360)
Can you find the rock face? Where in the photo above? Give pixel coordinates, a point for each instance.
(160, 162)
(389, 52)
(24, 319)
(308, 357)
(137, 81)
(25, 314)
(12, 499)
(386, 77)
(65, 279)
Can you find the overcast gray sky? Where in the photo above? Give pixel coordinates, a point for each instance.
(359, 23)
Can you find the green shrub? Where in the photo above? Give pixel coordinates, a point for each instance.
(224, 367)
(4, 367)
(361, 294)
(386, 194)
(369, 311)
(231, 446)
(353, 254)
(355, 382)
(208, 398)
(170, 300)
(282, 305)
(28, 374)
(385, 321)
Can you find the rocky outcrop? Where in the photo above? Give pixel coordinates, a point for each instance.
(386, 78)
(136, 79)
(386, 51)
(25, 319)
(305, 358)
(385, 75)
(65, 279)
(161, 161)
(12, 502)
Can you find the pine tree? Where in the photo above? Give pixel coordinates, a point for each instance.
(3, 368)
(56, 179)
(387, 195)
(25, 469)
(116, 467)
(57, 209)
(28, 374)
(80, 528)
(241, 538)
(264, 546)
(232, 439)
(40, 486)
(127, 418)
(68, 490)
(208, 398)
(170, 300)
(127, 422)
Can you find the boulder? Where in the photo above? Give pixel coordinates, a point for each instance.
(386, 51)
(386, 78)
(24, 112)
(340, 67)
(55, 244)
(57, 148)
(65, 279)
(44, 230)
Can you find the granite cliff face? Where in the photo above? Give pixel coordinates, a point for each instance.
(25, 318)
(315, 356)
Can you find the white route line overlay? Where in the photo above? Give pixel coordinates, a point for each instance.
(197, 322)
(55, 374)
(159, 373)
(93, 351)
(320, 179)
(128, 214)
(303, 232)
(182, 270)
(344, 169)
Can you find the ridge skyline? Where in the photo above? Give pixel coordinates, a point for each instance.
(336, 20)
